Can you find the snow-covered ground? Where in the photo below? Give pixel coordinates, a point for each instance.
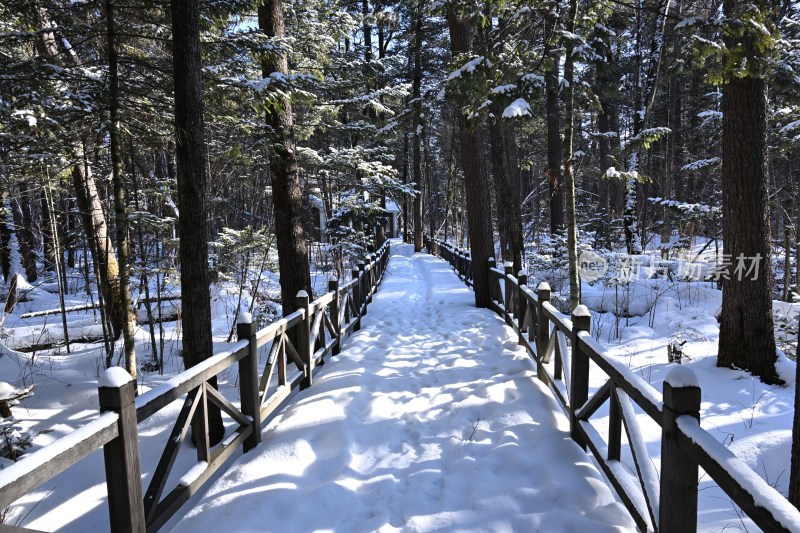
(361, 472)
(430, 419)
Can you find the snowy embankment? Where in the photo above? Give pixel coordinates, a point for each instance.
(430, 419)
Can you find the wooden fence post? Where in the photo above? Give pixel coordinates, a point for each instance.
(304, 347)
(116, 392)
(333, 286)
(492, 263)
(579, 386)
(357, 299)
(373, 275)
(508, 297)
(677, 509)
(248, 379)
(522, 305)
(542, 328)
(363, 289)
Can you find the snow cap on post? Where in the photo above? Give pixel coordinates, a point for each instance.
(114, 378)
(302, 294)
(681, 376)
(522, 272)
(543, 286)
(581, 318)
(245, 318)
(581, 310)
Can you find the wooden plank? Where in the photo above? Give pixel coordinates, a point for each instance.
(121, 460)
(615, 426)
(170, 453)
(648, 476)
(282, 363)
(220, 401)
(281, 326)
(594, 403)
(170, 505)
(266, 377)
(625, 379)
(292, 352)
(596, 446)
(28, 473)
(776, 515)
(275, 401)
(550, 347)
(156, 399)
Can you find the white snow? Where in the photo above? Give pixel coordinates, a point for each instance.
(114, 377)
(581, 310)
(431, 418)
(503, 89)
(195, 472)
(681, 376)
(469, 67)
(245, 318)
(8, 391)
(518, 108)
(632, 322)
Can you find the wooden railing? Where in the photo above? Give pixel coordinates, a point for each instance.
(563, 349)
(298, 342)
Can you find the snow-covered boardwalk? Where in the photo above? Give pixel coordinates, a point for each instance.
(430, 419)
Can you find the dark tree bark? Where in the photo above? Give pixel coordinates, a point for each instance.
(191, 165)
(48, 245)
(612, 198)
(675, 153)
(286, 191)
(507, 186)
(479, 219)
(569, 175)
(794, 476)
(120, 206)
(23, 218)
(555, 185)
(6, 230)
(747, 335)
(417, 125)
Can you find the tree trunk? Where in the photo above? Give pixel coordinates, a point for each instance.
(569, 176)
(794, 470)
(49, 257)
(747, 336)
(120, 205)
(192, 164)
(417, 125)
(506, 180)
(554, 148)
(290, 238)
(94, 224)
(675, 159)
(27, 243)
(479, 211)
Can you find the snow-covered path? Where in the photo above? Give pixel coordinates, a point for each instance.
(430, 419)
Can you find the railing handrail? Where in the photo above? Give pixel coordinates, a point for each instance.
(685, 444)
(36, 468)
